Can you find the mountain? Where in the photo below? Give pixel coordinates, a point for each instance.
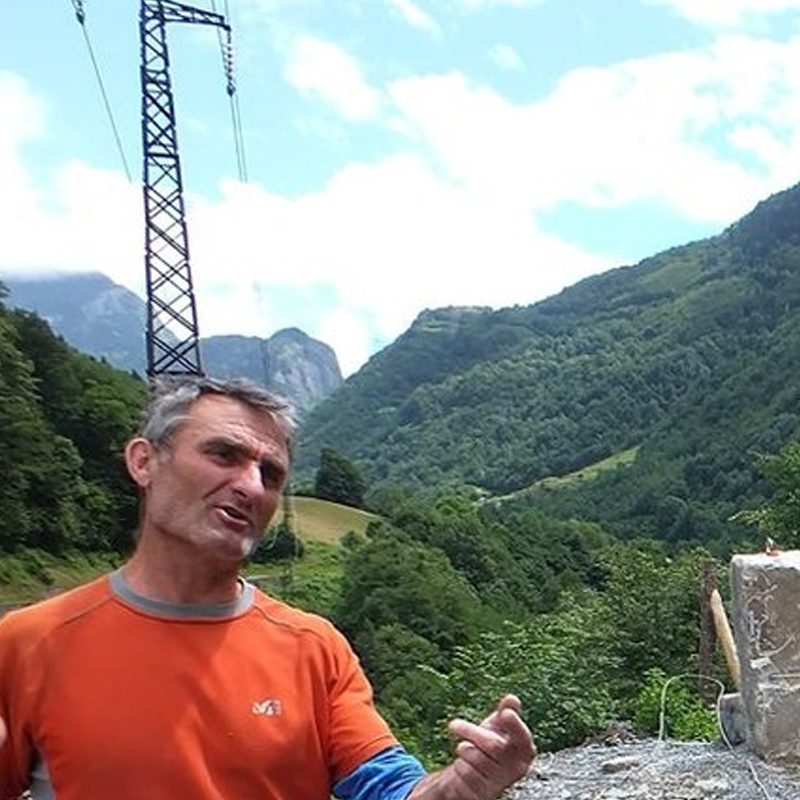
(299, 367)
(105, 320)
(93, 314)
(674, 374)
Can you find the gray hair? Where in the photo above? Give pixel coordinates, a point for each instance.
(173, 396)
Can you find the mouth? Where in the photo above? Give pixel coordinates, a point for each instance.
(234, 517)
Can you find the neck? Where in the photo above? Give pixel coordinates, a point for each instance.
(178, 575)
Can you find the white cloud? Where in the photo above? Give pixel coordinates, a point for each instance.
(77, 218)
(22, 120)
(23, 115)
(347, 332)
(652, 128)
(506, 57)
(453, 219)
(414, 16)
(325, 71)
(391, 237)
(90, 222)
(726, 12)
(491, 3)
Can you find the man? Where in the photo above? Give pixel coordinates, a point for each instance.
(174, 679)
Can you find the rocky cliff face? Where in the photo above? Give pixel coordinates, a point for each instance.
(105, 320)
(91, 312)
(290, 362)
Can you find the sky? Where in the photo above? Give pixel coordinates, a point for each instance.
(398, 155)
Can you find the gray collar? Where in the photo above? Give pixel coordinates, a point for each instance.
(182, 611)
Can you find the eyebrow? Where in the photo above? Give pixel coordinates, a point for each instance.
(269, 461)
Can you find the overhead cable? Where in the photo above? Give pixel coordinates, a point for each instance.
(80, 15)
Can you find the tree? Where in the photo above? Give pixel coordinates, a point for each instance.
(279, 543)
(560, 665)
(780, 516)
(654, 601)
(394, 583)
(339, 480)
(40, 481)
(64, 418)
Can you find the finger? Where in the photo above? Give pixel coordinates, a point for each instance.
(510, 724)
(485, 773)
(471, 785)
(2, 732)
(483, 737)
(508, 744)
(476, 759)
(507, 722)
(518, 736)
(509, 701)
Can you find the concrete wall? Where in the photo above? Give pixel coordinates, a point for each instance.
(766, 624)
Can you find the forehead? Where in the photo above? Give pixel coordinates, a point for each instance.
(213, 416)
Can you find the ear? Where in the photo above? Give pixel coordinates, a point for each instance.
(140, 458)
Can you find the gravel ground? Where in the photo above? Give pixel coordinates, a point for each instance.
(657, 770)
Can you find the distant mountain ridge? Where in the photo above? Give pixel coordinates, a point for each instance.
(105, 320)
(690, 357)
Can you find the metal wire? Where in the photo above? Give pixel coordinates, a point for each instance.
(226, 52)
(80, 15)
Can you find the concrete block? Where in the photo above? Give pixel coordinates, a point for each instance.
(766, 615)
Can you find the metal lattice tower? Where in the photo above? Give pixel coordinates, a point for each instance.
(172, 335)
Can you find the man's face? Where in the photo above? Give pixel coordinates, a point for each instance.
(218, 483)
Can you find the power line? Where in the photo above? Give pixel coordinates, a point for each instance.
(80, 15)
(226, 51)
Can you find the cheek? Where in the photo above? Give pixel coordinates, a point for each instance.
(269, 506)
(177, 495)
(163, 501)
(203, 481)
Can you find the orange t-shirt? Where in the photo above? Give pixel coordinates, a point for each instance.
(120, 697)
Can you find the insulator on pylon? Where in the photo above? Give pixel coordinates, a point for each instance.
(228, 58)
(80, 13)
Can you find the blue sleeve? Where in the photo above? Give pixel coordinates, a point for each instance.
(390, 775)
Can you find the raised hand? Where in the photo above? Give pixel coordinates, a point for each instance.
(489, 758)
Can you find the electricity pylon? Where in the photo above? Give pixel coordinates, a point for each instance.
(172, 334)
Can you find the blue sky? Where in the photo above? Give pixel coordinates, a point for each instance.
(401, 154)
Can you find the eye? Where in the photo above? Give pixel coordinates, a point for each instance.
(224, 453)
(272, 473)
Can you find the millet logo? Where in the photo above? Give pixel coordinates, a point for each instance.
(268, 708)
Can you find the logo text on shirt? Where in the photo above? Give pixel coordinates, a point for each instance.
(268, 708)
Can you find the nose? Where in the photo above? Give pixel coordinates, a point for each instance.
(249, 480)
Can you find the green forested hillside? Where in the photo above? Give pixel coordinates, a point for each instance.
(64, 419)
(688, 356)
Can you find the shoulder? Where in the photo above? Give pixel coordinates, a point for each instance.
(289, 616)
(298, 623)
(31, 624)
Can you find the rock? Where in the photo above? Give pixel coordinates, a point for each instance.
(766, 588)
(619, 764)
